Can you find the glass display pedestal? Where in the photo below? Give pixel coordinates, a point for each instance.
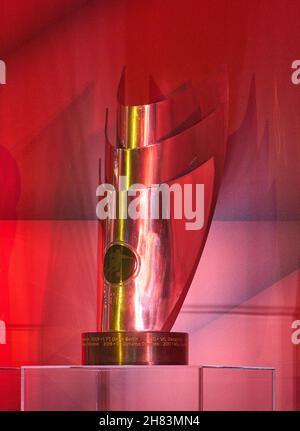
(146, 388)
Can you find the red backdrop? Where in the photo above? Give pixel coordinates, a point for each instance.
(64, 59)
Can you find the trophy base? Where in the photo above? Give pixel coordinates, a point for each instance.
(135, 348)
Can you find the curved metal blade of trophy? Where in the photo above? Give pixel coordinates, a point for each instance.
(161, 183)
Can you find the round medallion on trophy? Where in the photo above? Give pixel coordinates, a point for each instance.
(120, 263)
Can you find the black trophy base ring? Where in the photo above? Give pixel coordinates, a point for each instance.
(135, 348)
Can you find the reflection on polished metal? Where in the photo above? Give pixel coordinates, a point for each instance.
(147, 265)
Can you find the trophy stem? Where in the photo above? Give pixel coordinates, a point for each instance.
(135, 348)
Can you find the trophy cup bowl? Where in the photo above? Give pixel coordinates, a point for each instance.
(146, 263)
